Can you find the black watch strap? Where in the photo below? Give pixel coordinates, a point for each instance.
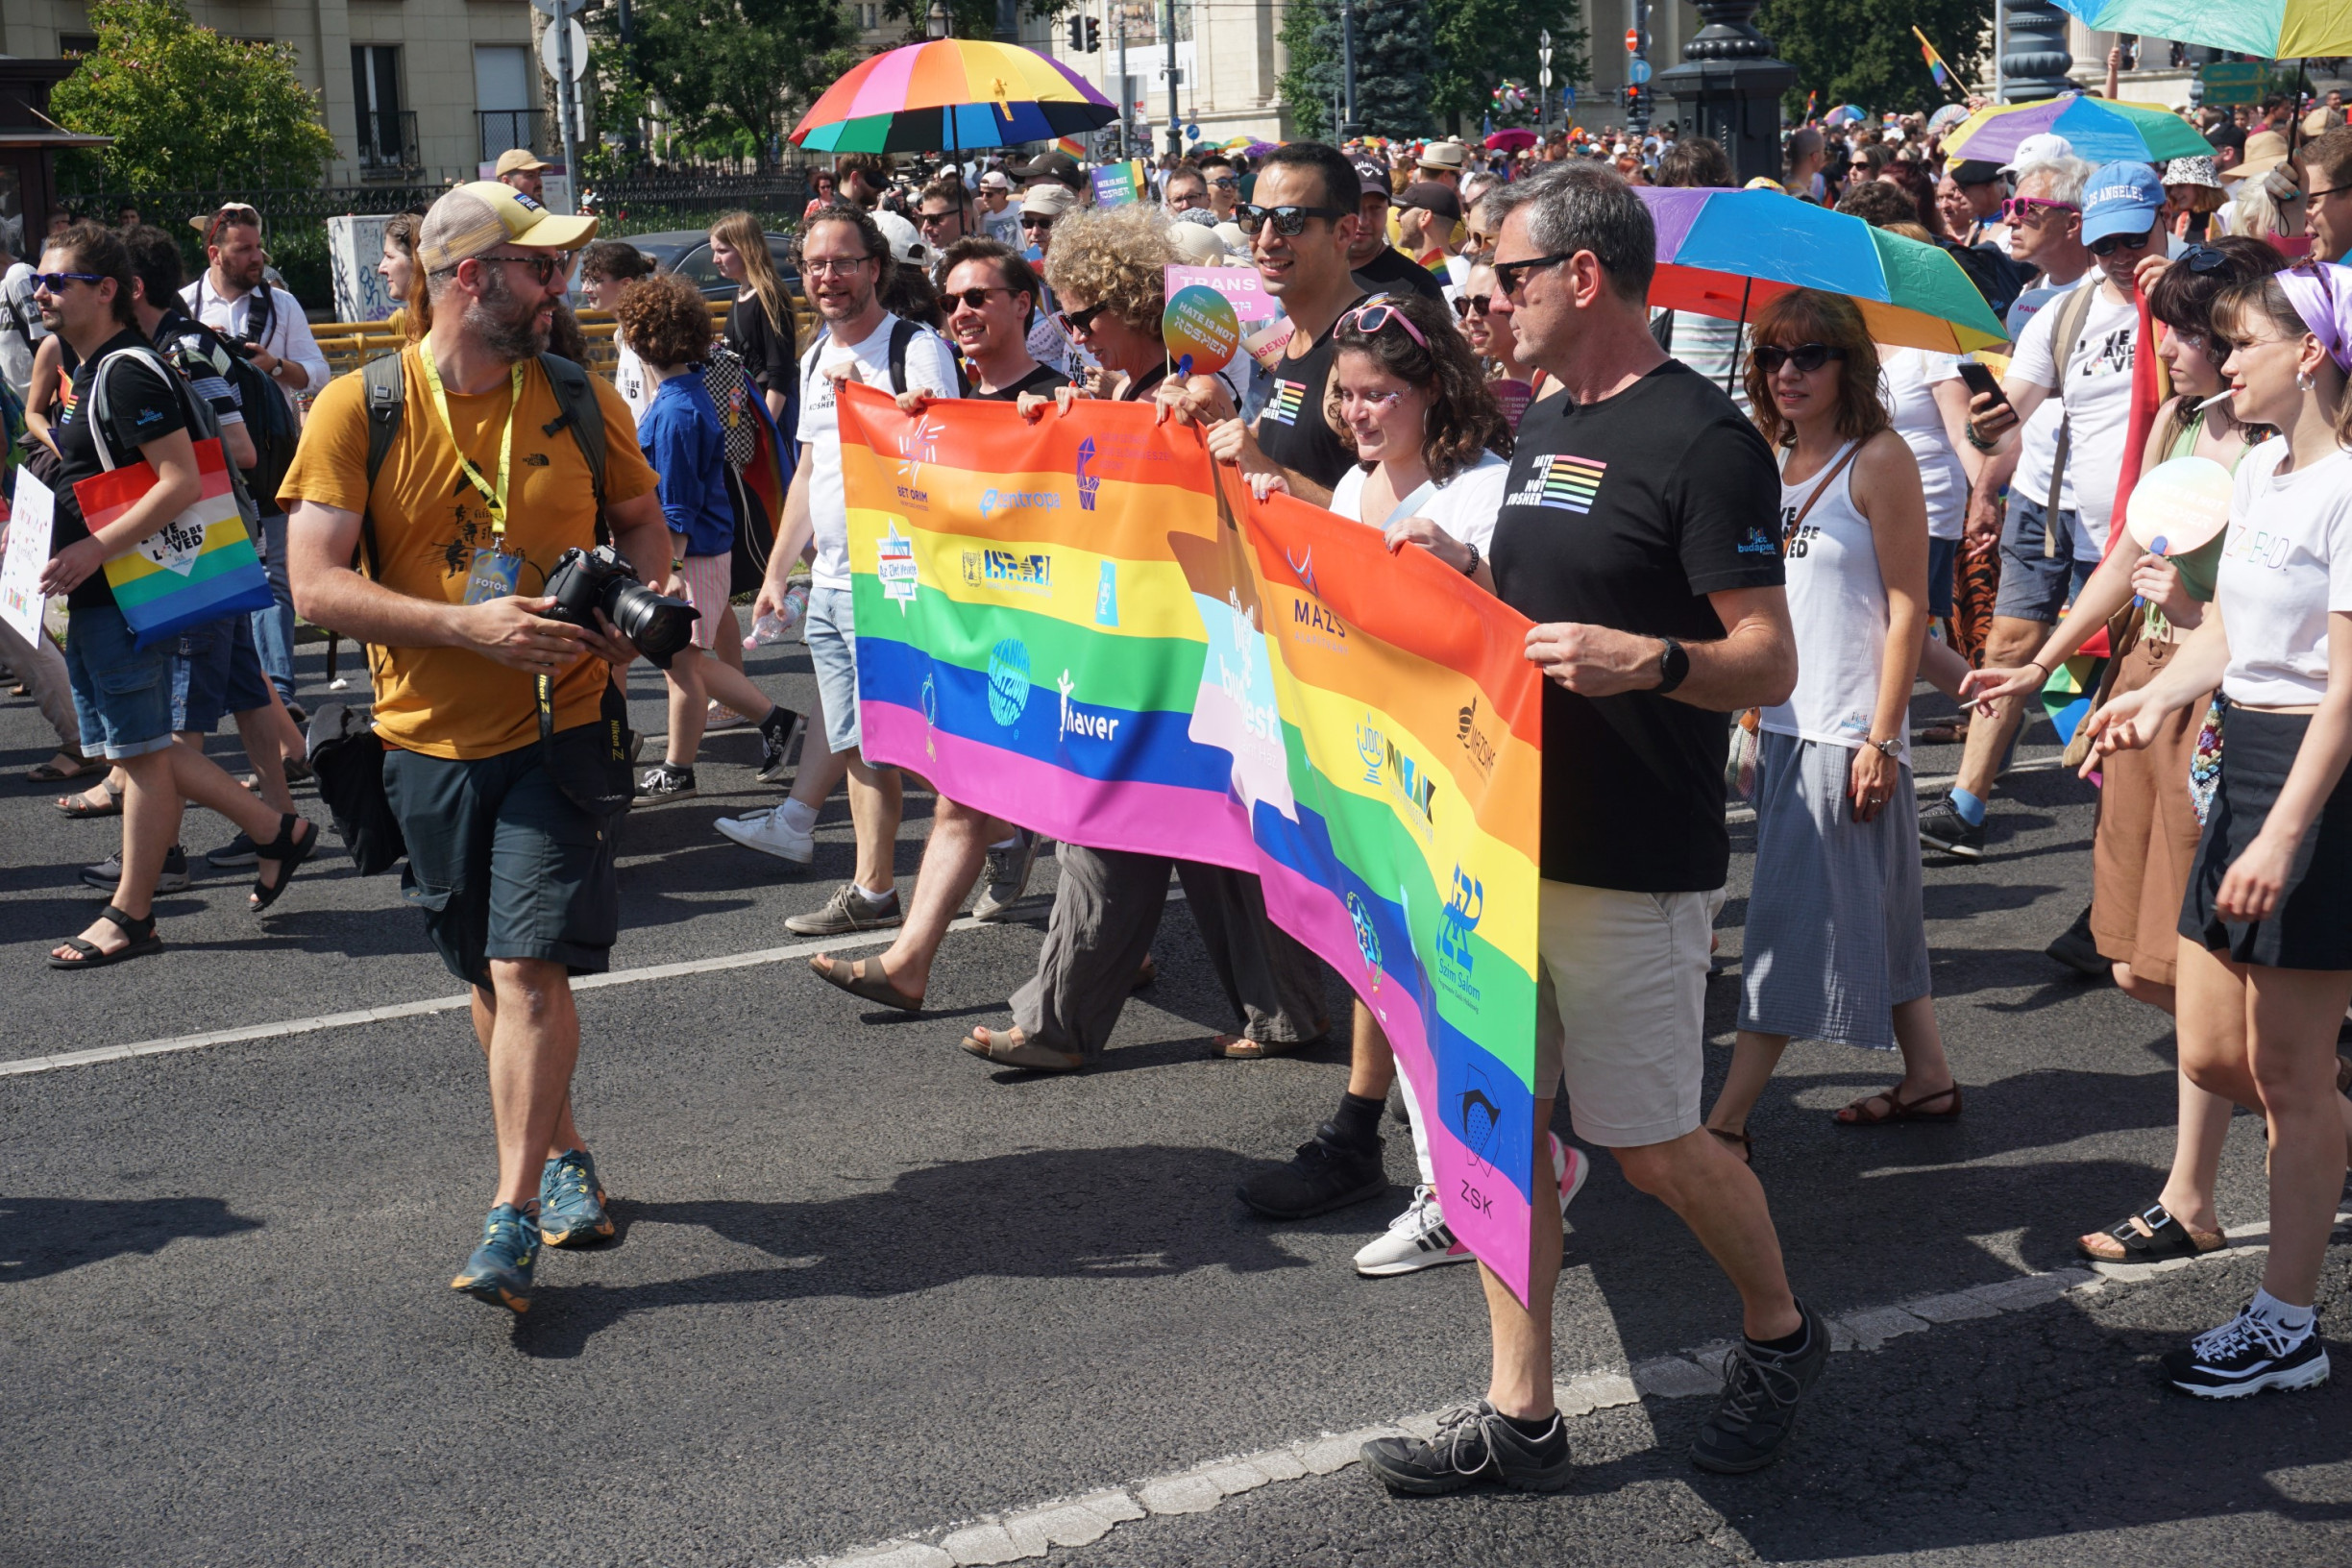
(1674, 664)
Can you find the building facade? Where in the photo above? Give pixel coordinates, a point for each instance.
(408, 88)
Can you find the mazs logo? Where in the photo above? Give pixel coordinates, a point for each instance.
(1311, 622)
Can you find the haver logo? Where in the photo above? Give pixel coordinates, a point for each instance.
(1087, 484)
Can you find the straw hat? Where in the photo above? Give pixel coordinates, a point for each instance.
(2264, 151)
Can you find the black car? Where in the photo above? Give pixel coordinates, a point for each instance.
(687, 253)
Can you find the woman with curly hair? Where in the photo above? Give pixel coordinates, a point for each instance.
(665, 322)
(1108, 267)
(1837, 941)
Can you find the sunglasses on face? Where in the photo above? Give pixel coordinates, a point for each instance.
(54, 283)
(2108, 246)
(542, 268)
(931, 220)
(1368, 318)
(1075, 322)
(2026, 208)
(1807, 358)
(1467, 306)
(970, 298)
(1038, 221)
(1227, 184)
(1510, 277)
(1288, 220)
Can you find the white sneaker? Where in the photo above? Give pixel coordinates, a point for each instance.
(769, 833)
(1417, 1239)
(1570, 1166)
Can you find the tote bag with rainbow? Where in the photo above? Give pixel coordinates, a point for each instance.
(199, 565)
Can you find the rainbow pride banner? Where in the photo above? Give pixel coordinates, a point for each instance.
(1068, 626)
(199, 565)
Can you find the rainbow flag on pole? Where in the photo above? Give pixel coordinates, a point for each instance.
(1936, 67)
(199, 567)
(1063, 625)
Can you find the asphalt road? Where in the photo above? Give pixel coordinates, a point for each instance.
(868, 1288)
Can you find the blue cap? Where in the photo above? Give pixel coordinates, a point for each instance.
(2120, 199)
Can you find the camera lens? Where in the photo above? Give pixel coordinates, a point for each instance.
(657, 627)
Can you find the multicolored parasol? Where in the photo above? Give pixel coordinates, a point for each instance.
(2099, 129)
(2260, 29)
(950, 95)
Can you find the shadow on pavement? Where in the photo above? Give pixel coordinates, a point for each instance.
(41, 1237)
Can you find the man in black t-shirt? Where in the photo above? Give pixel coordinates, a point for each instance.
(122, 690)
(1379, 267)
(1639, 532)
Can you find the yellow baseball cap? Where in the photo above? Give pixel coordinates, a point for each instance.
(519, 157)
(476, 218)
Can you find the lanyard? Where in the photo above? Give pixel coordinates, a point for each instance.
(495, 499)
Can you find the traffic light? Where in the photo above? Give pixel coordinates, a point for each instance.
(1077, 35)
(1633, 97)
(1094, 35)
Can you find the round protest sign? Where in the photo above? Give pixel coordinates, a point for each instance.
(1199, 326)
(2178, 506)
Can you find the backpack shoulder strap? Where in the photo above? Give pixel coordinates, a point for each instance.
(902, 337)
(2071, 318)
(578, 407)
(387, 382)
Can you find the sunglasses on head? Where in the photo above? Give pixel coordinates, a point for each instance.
(54, 283)
(971, 299)
(1370, 317)
(2203, 258)
(1467, 306)
(1074, 321)
(1288, 220)
(2109, 244)
(1807, 358)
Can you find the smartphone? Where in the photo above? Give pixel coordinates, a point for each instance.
(1980, 378)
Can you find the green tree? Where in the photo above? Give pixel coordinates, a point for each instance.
(1393, 58)
(189, 109)
(1862, 51)
(1480, 43)
(1310, 35)
(968, 18)
(729, 72)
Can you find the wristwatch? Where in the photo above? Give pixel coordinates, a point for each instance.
(1674, 664)
(1890, 748)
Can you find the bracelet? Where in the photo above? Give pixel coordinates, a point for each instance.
(1978, 441)
(1471, 571)
(2037, 664)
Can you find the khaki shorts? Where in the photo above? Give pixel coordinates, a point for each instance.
(1621, 1015)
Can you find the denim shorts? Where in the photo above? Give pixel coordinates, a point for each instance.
(218, 672)
(122, 694)
(2035, 586)
(832, 645)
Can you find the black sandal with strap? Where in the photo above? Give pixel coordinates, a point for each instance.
(2151, 1237)
(141, 932)
(290, 855)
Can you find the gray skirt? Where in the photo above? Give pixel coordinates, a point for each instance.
(1836, 936)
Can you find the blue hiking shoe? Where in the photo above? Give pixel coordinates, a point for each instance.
(572, 1202)
(500, 1271)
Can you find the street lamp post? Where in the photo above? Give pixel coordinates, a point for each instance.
(1349, 126)
(937, 24)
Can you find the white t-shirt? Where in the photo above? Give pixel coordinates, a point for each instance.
(1465, 506)
(2097, 410)
(2286, 562)
(1907, 383)
(930, 365)
(20, 329)
(1837, 604)
(629, 378)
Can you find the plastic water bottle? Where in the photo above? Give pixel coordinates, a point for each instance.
(775, 628)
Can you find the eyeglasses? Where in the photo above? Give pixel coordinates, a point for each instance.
(1467, 306)
(54, 283)
(542, 268)
(2332, 190)
(2107, 245)
(828, 267)
(1510, 276)
(971, 299)
(1368, 318)
(2021, 208)
(1074, 323)
(1288, 220)
(1807, 358)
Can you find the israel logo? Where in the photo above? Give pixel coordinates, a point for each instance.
(1007, 681)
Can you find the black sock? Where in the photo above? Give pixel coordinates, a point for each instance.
(1357, 1121)
(1787, 1344)
(1532, 1431)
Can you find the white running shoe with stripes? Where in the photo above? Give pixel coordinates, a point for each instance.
(1420, 1239)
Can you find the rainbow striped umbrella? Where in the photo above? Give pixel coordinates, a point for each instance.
(2100, 130)
(950, 95)
(1729, 253)
(2263, 29)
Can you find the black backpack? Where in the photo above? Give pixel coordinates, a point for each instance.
(269, 418)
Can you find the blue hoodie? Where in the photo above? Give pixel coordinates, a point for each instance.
(682, 440)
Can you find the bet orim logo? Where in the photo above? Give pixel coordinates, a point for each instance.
(1009, 570)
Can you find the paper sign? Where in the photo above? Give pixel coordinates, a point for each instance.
(2184, 503)
(1266, 344)
(1119, 184)
(1200, 329)
(30, 522)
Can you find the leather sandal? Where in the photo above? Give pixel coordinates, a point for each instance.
(1740, 1144)
(77, 765)
(290, 852)
(2148, 1236)
(78, 806)
(141, 932)
(1242, 1048)
(863, 979)
(1860, 1115)
(1002, 1048)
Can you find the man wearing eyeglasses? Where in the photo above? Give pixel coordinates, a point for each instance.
(2325, 178)
(2060, 469)
(481, 700)
(1639, 532)
(1043, 205)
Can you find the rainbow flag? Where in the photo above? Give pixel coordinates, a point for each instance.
(199, 567)
(1070, 145)
(1935, 62)
(1065, 625)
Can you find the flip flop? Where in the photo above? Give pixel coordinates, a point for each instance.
(1898, 1109)
(49, 772)
(1009, 1052)
(871, 986)
(78, 807)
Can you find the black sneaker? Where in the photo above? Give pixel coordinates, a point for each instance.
(107, 874)
(1324, 1175)
(2078, 951)
(1473, 1444)
(777, 733)
(1757, 1411)
(663, 782)
(1941, 826)
(2245, 1356)
(238, 853)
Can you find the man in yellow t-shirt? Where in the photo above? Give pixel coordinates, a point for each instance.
(479, 495)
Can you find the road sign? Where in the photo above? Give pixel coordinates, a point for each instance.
(1543, 77)
(1637, 71)
(550, 57)
(559, 7)
(2228, 82)
(1632, 37)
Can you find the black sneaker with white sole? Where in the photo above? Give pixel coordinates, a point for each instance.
(665, 782)
(237, 854)
(1757, 1411)
(1474, 1444)
(1324, 1175)
(2245, 1356)
(107, 874)
(1941, 827)
(777, 734)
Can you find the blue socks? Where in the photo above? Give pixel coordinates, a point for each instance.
(1972, 810)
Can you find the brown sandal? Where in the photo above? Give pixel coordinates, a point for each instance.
(1898, 1109)
(1006, 1052)
(1740, 1141)
(1242, 1048)
(871, 984)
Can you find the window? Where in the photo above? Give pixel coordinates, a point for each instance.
(503, 97)
(70, 44)
(376, 97)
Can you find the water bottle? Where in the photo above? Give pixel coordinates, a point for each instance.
(775, 628)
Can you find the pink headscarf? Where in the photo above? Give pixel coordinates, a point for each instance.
(2321, 294)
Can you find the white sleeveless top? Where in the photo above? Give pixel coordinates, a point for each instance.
(1838, 604)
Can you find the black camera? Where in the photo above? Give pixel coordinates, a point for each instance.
(585, 581)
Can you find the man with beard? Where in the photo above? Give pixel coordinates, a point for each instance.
(486, 481)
